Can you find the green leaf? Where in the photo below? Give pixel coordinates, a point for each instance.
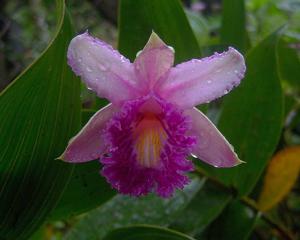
(236, 222)
(137, 18)
(86, 190)
(39, 112)
(86, 114)
(233, 30)
(289, 67)
(204, 207)
(252, 116)
(146, 232)
(199, 26)
(124, 210)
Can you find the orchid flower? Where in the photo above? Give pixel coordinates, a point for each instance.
(144, 136)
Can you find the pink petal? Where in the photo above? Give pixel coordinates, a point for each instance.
(211, 147)
(103, 69)
(153, 62)
(200, 81)
(89, 144)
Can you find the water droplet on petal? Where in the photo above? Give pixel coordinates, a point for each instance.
(138, 53)
(172, 49)
(89, 69)
(209, 81)
(193, 155)
(203, 142)
(103, 67)
(123, 59)
(225, 91)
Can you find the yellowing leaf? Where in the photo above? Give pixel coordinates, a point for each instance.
(281, 174)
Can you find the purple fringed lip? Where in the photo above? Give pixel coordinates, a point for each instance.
(134, 173)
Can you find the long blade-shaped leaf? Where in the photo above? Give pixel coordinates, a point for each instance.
(233, 30)
(39, 113)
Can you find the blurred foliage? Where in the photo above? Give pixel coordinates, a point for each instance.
(209, 208)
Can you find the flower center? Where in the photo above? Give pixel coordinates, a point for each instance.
(149, 139)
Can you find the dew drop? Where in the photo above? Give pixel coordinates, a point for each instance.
(172, 49)
(123, 59)
(203, 142)
(225, 91)
(103, 67)
(138, 53)
(89, 69)
(209, 81)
